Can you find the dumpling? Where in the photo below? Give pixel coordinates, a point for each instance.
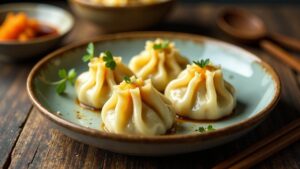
(94, 87)
(160, 61)
(201, 93)
(137, 108)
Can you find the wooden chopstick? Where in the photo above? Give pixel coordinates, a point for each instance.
(264, 148)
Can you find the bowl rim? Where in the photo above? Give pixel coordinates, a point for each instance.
(237, 127)
(40, 39)
(99, 6)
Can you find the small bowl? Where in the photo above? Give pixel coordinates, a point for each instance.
(122, 18)
(257, 90)
(56, 17)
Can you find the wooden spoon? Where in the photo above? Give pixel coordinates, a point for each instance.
(247, 27)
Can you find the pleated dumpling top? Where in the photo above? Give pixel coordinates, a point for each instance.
(160, 61)
(94, 87)
(137, 108)
(201, 93)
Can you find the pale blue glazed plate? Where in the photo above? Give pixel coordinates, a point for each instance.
(256, 83)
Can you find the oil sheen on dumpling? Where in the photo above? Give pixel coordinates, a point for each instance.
(160, 61)
(201, 93)
(94, 87)
(137, 108)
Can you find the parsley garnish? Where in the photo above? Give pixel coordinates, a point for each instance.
(202, 63)
(65, 76)
(162, 45)
(127, 79)
(202, 129)
(210, 128)
(109, 60)
(90, 53)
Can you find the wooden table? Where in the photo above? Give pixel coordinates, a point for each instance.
(28, 141)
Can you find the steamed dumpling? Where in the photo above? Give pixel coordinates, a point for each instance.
(94, 87)
(201, 93)
(160, 61)
(137, 108)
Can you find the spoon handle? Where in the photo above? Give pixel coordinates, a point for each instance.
(281, 54)
(286, 41)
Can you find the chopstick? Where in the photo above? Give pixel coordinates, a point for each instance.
(264, 148)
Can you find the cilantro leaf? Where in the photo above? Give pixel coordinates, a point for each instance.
(210, 128)
(162, 45)
(60, 88)
(62, 73)
(127, 79)
(90, 53)
(109, 60)
(202, 63)
(157, 46)
(90, 49)
(65, 76)
(202, 129)
(72, 76)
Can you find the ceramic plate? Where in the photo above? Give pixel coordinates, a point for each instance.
(256, 83)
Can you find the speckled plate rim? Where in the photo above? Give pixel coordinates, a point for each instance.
(40, 39)
(102, 7)
(238, 127)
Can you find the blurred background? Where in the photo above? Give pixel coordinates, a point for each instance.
(188, 1)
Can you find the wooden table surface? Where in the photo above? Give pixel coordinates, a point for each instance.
(28, 141)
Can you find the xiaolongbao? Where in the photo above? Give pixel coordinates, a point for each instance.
(95, 86)
(137, 108)
(160, 61)
(201, 93)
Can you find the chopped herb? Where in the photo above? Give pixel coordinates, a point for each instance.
(65, 76)
(210, 128)
(60, 88)
(162, 45)
(202, 129)
(202, 63)
(127, 79)
(90, 53)
(109, 60)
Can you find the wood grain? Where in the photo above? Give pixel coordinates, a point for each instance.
(14, 108)
(32, 142)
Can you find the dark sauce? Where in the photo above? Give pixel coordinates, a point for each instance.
(186, 119)
(87, 107)
(170, 131)
(45, 30)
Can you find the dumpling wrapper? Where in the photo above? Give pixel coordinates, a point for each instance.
(94, 87)
(201, 93)
(138, 110)
(160, 65)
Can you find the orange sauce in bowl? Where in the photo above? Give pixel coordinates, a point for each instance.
(19, 27)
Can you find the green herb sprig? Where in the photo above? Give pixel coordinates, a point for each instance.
(65, 76)
(162, 45)
(202, 129)
(202, 63)
(109, 60)
(127, 79)
(90, 53)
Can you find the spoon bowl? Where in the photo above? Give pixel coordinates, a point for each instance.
(248, 28)
(241, 25)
